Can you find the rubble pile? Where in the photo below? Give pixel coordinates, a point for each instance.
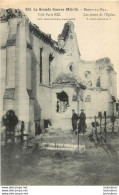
(53, 131)
(66, 78)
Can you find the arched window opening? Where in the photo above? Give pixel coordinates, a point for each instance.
(62, 102)
(71, 68)
(98, 82)
(87, 74)
(89, 83)
(41, 71)
(51, 57)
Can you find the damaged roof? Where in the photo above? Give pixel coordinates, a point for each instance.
(46, 38)
(68, 78)
(65, 32)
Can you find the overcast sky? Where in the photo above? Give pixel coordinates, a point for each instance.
(96, 38)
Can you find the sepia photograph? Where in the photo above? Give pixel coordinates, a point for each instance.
(59, 103)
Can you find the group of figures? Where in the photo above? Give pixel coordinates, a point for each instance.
(79, 122)
(10, 121)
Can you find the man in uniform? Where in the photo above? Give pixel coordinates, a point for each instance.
(82, 123)
(74, 120)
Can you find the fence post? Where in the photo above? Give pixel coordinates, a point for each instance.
(78, 141)
(105, 129)
(100, 117)
(113, 121)
(96, 135)
(105, 121)
(95, 126)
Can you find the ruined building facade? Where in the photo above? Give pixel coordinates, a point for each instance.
(44, 79)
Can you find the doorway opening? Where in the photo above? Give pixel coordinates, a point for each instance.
(62, 102)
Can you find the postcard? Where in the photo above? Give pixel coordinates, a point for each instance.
(59, 94)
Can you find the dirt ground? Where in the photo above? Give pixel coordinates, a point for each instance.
(35, 166)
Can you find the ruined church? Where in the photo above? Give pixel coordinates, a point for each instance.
(44, 80)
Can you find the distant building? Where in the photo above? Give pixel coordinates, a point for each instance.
(101, 89)
(44, 79)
